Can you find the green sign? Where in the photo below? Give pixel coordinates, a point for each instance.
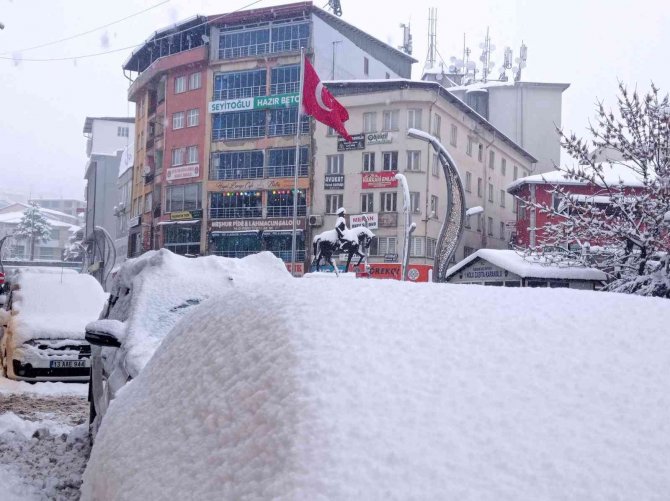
(254, 103)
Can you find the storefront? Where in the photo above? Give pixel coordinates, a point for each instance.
(508, 268)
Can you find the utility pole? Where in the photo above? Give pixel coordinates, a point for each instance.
(332, 72)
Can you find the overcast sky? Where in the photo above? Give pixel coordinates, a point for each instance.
(588, 44)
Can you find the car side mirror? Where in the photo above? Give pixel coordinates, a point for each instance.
(107, 333)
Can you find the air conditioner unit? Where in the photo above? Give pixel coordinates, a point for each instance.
(315, 220)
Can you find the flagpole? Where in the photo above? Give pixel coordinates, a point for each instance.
(297, 164)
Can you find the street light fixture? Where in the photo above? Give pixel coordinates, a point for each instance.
(453, 223)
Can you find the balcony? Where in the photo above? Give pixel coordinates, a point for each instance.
(285, 211)
(236, 213)
(285, 170)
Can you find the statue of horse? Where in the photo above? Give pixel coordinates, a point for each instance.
(326, 244)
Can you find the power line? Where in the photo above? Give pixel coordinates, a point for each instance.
(54, 42)
(72, 58)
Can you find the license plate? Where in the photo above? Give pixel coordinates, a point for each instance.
(63, 364)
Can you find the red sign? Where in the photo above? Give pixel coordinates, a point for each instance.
(415, 272)
(299, 268)
(2, 278)
(384, 179)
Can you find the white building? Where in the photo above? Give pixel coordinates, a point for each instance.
(359, 176)
(68, 206)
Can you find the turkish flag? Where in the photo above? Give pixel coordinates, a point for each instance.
(319, 103)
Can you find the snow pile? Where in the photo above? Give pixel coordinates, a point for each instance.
(165, 286)
(10, 422)
(54, 305)
(13, 489)
(614, 174)
(9, 386)
(374, 389)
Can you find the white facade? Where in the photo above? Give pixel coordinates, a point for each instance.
(70, 206)
(108, 135)
(423, 106)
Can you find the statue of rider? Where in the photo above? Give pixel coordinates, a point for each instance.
(340, 224)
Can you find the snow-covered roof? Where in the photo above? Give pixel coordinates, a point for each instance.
(379, 389)
(52, 305)
(528, 267)
(615, 173)
(164, 286)
(15, 218)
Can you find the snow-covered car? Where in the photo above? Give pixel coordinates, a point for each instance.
(378, 389)
(149, 295)
(44, 322)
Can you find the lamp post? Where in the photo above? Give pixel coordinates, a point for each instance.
(452, 225)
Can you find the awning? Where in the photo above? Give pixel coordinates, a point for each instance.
(191, 221)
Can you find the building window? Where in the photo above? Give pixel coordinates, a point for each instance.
(122, 131)
(178, 120)
(479, 222)
(516, 172)
(431, 247)
(515, 204)
(194, 81)
(386, 245)
(285, 79)
(238, 84)
(503, 166)
(490, 227)
(467, 221)
(238, 125)
(390, 160)
(435, 168)
(414, 118)
(367, 202)
(468, 150)
(178, 156)
(433, 206)
(330, 132)
(437, 125)
(289, 37)
(417, 247)
(414, 160)
(453, 140)
(334, 202)
(280, 203)
(148, 200)
(414, 201)
(502, 230)
(480, 152)
(389, 201)
(335, 164)
(183, 197)
(179, 85)
(490, 192)
(479, 187)
(193, 117)
(468, 182)
(283, 122)
(281, 162)
(243, 43)
(391, 119)
(369, 161)
(183, 239)
(492, 159)
(366, 66)
(502, 198)
(236, 165)
(467, 251)
(192, 155)
(370, 122)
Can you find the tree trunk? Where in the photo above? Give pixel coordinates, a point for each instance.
(32, 248)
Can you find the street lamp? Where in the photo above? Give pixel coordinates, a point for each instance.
(452, 225)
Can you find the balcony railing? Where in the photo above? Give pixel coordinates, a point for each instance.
(236, 213)
(234, 253)
(285, 211)
(285, 170)
(236, 173)
(285, 255)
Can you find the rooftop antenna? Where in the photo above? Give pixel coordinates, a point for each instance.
(406, 46)
(520, 61)
(487, 47)
(335, 6)
(432, 37)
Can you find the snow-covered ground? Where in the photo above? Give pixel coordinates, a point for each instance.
(44, 441)
(372, 389)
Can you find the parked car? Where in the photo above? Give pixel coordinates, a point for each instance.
(44, 321)
(149, 295)
(378, 389)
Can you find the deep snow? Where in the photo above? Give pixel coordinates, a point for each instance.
(370, 389)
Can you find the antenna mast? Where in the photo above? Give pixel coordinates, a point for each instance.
(432, 37)
(406, 46)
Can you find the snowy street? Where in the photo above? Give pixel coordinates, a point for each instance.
(44, 444)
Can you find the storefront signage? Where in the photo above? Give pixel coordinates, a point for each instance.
(254, 103)
(185, 215)
(334, 182)
(483, 271)
(388, 219)
(369, 220)
(415, 272)
(135, 221)
(384, 179)
(379, 138)
(299, 268)
(185, 172)
(257, 224)
(390, 258)
(258, 184)
(357, 143)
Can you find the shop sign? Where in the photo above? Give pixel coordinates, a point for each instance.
(134, 222)
(483, 271)
(254, 103)
(388, 219)
(393, 271)
(185, 172)
(185, 215)
(383, 179)
(258, 184)
(334, 182)
(379, 138)
(369, 220)
(299, 268)
(257, 224)
(390, 258)
(357, 143)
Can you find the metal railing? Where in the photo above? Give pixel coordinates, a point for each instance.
(285, 211)
(235, 213)
(285, 170)
(217, 174)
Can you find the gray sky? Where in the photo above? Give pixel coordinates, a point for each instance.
(589, 44)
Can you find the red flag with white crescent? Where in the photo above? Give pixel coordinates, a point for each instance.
(318, 102)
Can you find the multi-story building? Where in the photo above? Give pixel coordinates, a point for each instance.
(123, 204)
(360, 176)
(216, 125)
(68, 206)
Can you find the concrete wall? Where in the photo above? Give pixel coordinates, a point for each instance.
(105, 136)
